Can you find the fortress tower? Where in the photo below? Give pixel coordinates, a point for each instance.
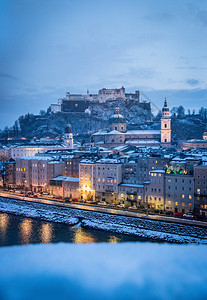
(165, 126)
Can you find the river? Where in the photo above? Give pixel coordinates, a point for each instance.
(17, 230)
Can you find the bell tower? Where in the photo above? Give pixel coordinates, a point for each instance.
(165, 126)
(68, 137)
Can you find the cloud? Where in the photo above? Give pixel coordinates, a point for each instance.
(192, 82)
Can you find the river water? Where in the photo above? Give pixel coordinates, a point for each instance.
(17, 230)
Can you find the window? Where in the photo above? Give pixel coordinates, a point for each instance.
(198, 191)
(190, 197)
(183, 196)
(176, 203)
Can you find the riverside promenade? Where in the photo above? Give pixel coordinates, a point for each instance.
(113, 211)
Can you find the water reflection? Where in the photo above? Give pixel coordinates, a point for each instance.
(17, 230)
(46, 233)
(114, 239)
(82, 237)
(4, 223)
(25, 231)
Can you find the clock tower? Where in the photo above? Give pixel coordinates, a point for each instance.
(165, 126)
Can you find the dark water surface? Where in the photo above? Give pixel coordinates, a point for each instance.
(17, 230)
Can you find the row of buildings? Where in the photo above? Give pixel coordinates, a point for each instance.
(128, 175)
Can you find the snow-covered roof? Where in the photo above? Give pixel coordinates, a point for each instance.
(114, 132)
(157, 171)
(55, 162)
(87, 161)
(100, 132)
(66, 178)
(108, 161)
(145, 132)
(37, 158)
(136, 141)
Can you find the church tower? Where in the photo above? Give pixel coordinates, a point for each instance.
(68, 137)
(165, 126)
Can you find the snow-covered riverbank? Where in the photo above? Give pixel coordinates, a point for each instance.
(142, 228)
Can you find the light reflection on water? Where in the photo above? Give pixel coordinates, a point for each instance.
(4, 223)
(46, 233)
(17, 230)
(114, 239)
(81, 237)
(25, 231)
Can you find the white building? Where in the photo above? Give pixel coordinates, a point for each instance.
(31, 150)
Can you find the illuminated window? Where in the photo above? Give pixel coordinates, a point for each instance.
(130, 170)
(103, 179)
(183, 203)
(139, 197)
(159, 174)
(176, 203)
(155, 174)
(169, 180)
(191, 204)
(122, 195)
(43, 165)
(99, 180)
(190, 197)
(114, 180)
(169, 202)
(152, 174)
(183, 196)
(156, 162)
(198, 191)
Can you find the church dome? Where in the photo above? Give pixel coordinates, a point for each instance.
(68, 129)
(117, 117)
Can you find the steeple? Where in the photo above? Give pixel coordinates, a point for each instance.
(165, 109)
(68, 136)
(165, 126)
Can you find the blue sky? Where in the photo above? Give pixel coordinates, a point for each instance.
(50, 47)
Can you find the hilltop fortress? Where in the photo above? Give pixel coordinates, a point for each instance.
(81, 102)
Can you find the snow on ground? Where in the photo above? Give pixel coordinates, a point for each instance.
(147, 229)
(34, 210)
(103, 271)
(143, 233)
